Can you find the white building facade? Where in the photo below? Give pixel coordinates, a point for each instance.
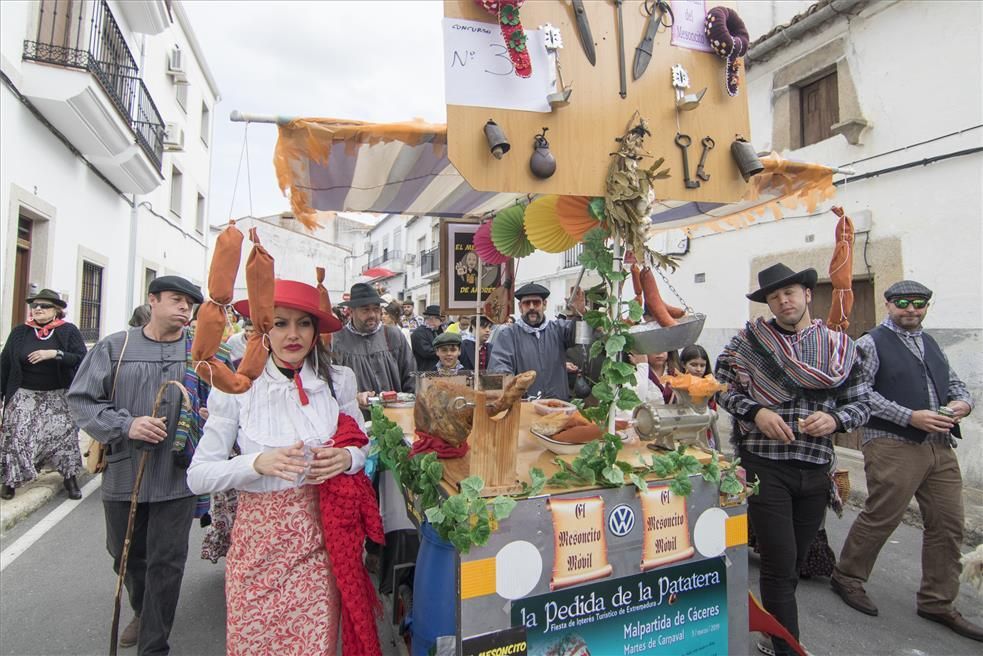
(832, 85)
(104, 181)
(338, 246)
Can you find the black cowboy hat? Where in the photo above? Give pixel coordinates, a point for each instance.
(778, 276)
(362, 294)
(432, 311)
(49, 295)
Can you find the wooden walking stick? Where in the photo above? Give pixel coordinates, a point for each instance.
(134, 496)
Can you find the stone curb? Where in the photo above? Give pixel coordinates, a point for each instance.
(33, 496)
(853, 461)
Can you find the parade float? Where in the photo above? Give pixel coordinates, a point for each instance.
(553, 529)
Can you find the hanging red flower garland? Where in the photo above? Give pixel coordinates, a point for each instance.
(507, 12)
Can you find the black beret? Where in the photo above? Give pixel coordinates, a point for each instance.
(532, 289)
(176, 284)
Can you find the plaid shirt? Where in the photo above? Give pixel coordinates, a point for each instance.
(847, 403)
(893, 412)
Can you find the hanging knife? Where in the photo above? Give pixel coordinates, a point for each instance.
(621, 48)
(583, 30)
(657, 11)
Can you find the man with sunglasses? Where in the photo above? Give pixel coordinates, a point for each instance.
(916, 403)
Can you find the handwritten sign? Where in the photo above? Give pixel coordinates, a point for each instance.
(666, 525)
(479, 73)
(687, 28)
(579, 545)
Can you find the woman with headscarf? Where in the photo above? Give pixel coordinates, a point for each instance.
(37, 366)
(294, 572)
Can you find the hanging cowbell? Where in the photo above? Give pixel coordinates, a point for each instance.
(542, 163)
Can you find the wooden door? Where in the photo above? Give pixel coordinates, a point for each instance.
(819, 108)
(22, 271)
(862, 318)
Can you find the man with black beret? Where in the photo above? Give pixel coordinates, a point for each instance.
(112, 399)
(916, 403)
(422, 339)
(534, 342)
(792, 383)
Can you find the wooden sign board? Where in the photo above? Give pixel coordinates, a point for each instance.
(581, 135)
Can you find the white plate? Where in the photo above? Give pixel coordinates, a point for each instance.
(559, 448)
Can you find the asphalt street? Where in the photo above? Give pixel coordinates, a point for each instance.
(56, 597)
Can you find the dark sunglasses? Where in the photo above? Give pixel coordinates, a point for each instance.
(903, 303)
(41, 306)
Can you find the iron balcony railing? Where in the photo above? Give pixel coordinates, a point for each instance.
(430, 261)
(83, 34)
(571, 258)
(386, 256)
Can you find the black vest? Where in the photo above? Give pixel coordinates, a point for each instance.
(901, 378)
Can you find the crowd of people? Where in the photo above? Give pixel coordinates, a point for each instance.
(279, 468)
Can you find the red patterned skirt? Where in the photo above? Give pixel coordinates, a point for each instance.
(280, 591)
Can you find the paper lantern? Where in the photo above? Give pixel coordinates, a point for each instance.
(484, 247)
(543, 229)
(508, 232)
(574, 215)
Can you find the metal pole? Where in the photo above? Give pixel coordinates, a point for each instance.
(238, 117)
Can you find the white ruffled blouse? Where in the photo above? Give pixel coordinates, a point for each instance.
(270, 416)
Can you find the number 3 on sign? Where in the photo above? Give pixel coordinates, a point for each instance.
(479, 72)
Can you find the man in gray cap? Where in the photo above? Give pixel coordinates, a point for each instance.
(916, 404)
(378, 354)
(792, 383)
(112, 399)
(534, 342)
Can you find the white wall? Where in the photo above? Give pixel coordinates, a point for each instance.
(77, 213)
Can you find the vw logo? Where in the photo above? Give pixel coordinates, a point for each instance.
(621, 520)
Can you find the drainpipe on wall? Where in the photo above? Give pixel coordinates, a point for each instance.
(762, 50)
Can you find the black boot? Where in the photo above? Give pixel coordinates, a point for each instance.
(7, 492)
(72, 487)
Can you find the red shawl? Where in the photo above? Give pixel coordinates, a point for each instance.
(43, 330)
(349, 512)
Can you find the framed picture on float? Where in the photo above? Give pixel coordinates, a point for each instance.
(459, 269)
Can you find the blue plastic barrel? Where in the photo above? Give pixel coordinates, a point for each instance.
(434, 591)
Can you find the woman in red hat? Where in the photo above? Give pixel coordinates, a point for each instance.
(282, 593)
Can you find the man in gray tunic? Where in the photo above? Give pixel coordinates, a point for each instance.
(112, 399)
(378, 354)
(535, 342)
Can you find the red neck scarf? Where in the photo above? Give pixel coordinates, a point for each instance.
(297, 381)
(43, 331)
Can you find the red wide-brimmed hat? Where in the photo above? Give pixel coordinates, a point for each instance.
(298, 296)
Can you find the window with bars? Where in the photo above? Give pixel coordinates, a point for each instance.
(571, 257)
(90, 307)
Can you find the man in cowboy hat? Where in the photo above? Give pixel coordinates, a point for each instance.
(792, 384)
(422, 339)
(916, 403)
(112, 399)
(378, 354)
(535, 342)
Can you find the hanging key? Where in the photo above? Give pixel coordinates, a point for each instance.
(684, 141)
(708, 145)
